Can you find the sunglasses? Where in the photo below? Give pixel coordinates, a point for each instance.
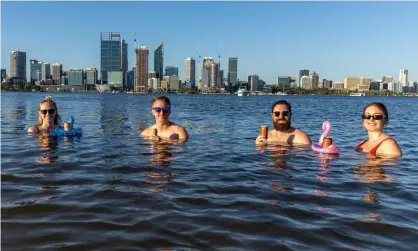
(284, 113)
(375, 116)
(159, 109)
(49, 111)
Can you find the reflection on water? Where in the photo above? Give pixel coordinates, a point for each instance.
(47, 144)
(162, 157)
(216, 191)
(372, 197)
(373, 170)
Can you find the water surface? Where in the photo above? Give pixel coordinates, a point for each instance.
(112, 190)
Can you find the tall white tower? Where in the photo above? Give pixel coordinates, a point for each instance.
(403, 77)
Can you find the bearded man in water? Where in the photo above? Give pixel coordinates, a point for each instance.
(283, 132)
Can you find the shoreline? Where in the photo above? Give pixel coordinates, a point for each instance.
(316, 93)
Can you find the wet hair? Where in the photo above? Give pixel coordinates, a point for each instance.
(282, 102)
(381, 106)
(57, 119)
(162, 98)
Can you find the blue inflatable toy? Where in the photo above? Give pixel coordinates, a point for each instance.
(69, 132)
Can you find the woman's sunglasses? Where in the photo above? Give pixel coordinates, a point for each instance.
(284, 113)
(49, 111)
(375, 116)
(159, 109)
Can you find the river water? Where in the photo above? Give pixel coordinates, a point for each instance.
(112, 190)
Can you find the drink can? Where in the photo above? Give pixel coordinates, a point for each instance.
(327, 142)
(264, 131)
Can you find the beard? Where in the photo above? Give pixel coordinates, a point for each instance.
(282, 126)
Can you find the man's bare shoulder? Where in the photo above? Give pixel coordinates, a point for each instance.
(181, 131)
(301, 137)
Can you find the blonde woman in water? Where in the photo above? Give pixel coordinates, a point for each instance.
(48, 117)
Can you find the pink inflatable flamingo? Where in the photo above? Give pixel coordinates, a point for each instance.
(318, 147)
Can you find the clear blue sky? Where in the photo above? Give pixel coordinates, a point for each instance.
(335, 39)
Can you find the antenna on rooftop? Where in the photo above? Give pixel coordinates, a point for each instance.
(135, 42)
(198, 52)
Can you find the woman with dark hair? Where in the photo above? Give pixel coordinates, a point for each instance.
(48, 117)
(375, 117)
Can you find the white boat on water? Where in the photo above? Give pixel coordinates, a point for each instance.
(357, 94)
(242, 92)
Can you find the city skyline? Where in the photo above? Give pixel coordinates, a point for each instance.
(339, 39)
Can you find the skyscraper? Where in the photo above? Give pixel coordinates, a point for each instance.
(57, 73)
(403, 77)
(141, 74)
(214, 75)
(190, 71)
(206, 71)
(232, 71)
(76, 77)
(35, 70)
(18, 64)
(91, 76)
(301, 74)
(3, 74)
(315, 80)
(113, 56)
(159, 61)
(253, 82)
(171, 71)
(46, 71)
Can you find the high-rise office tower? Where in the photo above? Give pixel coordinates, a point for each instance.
(232, 71)
(76, 77)
(206, 71)
(190, 71)
(214, 75)
(113, 56)
(18, 64)
(91, 76)
(301, 74)
(159, 61)
(35, 70)
(141, 73)
(403, 77)
(57, 73)
(315, 80)
(171, 71)
(46, 71)
(3, 74)
(253, 82)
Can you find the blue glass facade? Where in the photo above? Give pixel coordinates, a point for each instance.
(35, 70)
(159, 61)
(113, 55)
(171, 71)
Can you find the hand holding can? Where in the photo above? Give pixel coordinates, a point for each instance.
(264, 131)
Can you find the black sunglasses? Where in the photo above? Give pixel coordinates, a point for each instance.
(159, 109)
(49, 111)
(375, 116)
(284, 113)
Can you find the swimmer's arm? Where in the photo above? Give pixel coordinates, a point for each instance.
(183, 135)
(389, 148)
(302, 138)
(32, 129)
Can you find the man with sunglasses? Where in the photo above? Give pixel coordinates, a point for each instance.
(164, 128)
(283, 132)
